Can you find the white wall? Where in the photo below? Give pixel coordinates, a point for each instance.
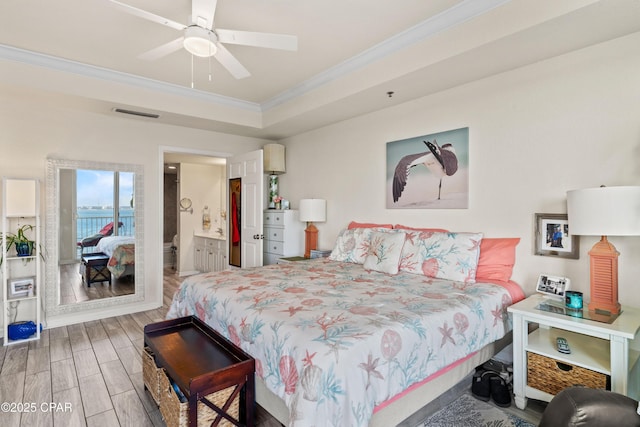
(32, 131)
(567, 123)
(205, 186)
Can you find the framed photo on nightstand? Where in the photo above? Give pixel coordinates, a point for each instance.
(553, 286)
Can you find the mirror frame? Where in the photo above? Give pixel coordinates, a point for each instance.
(52, 203)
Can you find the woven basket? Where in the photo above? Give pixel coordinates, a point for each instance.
(551, 376)
(151, 374)
(176, 413)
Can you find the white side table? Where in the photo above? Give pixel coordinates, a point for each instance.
(602, 347)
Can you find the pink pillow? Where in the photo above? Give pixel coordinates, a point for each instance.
(428, 230)
(354, 224)
(497, 257)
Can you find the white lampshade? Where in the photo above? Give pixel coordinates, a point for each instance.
(273, 158)
(20, 196)
(313, 210)
(604, 211)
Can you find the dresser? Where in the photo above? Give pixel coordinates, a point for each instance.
(283, 235)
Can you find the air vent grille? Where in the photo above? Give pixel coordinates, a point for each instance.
(136, 113)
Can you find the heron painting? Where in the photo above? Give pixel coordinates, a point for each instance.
(429, 171)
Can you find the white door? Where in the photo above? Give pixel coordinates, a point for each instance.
(248, 167)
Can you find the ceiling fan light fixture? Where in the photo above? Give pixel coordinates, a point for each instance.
(200, 42)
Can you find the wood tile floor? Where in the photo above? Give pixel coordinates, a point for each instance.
(88, 374)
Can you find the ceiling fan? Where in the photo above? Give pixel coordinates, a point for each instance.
(201, 39)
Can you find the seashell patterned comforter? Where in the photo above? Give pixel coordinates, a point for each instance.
(334, 340)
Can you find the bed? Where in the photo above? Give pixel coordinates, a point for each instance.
(121, 253)
(337, 342)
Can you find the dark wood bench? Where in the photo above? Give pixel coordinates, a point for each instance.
(215, 377)
(94, 268)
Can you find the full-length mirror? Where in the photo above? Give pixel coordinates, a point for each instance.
(94, 232)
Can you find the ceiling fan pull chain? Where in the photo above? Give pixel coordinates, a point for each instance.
(191, 71)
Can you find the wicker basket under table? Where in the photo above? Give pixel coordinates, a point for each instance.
(215, 376)
(549, 375)
(151, 374)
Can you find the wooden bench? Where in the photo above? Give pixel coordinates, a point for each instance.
(215, 377)
(94, 268)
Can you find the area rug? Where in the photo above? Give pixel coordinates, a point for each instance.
(467, 411)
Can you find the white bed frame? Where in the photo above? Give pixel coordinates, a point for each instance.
(397, 411)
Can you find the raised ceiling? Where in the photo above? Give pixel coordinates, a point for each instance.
(350, 54)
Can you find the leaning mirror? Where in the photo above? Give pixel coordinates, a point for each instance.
(93, 239)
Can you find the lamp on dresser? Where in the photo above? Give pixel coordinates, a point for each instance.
(273, 159)
(312, 210)
(604, 211)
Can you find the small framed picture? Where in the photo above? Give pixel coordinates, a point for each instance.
(22, 287)
(553, 286)
(285, 204)
(553, 236)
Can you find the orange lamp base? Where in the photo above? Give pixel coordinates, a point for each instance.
(604, 277)
(310, 239)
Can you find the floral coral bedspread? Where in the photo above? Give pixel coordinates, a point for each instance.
(334, 340)
(121, 251)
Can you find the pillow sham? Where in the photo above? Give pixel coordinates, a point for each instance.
(354, 224)
(352, 245)
(497, 257)
(404, 227)
(384, 253)
(451, 256)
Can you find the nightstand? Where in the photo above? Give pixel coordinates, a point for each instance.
(287, 260)
(601, 351)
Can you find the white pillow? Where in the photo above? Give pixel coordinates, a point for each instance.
(384, 252)
(452, 256)
(352, 245)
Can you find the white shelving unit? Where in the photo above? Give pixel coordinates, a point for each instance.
(21, 275)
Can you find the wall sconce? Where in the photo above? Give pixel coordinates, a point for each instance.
(312, 210)
(604, 211)
(273, 156)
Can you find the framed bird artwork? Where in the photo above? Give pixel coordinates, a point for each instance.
(429, 171)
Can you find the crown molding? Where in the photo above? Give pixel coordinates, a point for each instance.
(447, 19)
(10, 53)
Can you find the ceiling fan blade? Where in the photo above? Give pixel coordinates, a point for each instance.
(250, 38)
(203, 12)
(163, 50)
(230, 62)
(148, 15)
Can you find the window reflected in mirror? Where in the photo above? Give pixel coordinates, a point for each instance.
(93, 234)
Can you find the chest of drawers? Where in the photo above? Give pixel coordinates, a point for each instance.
(283, 235)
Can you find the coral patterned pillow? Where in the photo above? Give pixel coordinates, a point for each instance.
(452, 256)
(352, 245)
(384, 252)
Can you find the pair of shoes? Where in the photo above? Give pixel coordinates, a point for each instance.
(491, 385)
(481, 384)
(500, 392)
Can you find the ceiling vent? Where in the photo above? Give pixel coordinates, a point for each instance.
(136, 113)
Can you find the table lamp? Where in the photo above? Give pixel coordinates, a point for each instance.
(273, 164)
(604, 211)
(312, 210)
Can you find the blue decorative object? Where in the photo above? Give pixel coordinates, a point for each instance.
(573, 299)
(22, 330)
(24, 248)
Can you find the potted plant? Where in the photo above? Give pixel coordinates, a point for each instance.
(22, 244)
